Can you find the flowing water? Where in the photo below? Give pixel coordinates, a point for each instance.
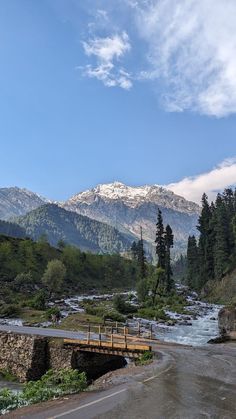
(198, 331)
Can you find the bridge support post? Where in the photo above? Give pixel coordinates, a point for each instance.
(125, 341)
(88, 335)
(99, 335)
(150, 331)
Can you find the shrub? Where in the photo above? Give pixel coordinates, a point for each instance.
(115, 317)
(52, 384)
(39, 301)
(9, 400)
(52, 311)
(145, 358)
(9, 310)
(7, 375)
(121, 306)
(153, 313)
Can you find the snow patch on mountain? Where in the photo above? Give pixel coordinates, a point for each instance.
(134, 196)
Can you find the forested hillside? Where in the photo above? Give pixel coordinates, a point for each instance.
(11, 229)
(213, 256)
(23, 263)
(77, 230)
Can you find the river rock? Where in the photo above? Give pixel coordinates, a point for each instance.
(227, 320)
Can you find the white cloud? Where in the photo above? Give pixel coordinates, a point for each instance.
(221, 177)
(107, 52)
(192, 52)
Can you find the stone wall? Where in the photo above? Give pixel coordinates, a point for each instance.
(22, 355)
(29, 357)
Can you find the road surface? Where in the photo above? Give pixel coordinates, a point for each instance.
(40, 331)
(187, 383)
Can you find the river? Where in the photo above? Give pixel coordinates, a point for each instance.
(195, 329)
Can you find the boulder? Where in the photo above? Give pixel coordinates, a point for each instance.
(227, 320)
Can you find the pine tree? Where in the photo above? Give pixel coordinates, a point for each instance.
(205, 245)
(222, 245)
(169, 242)
(160, 241)
(141, 259)
(193, 264)
(134, 251)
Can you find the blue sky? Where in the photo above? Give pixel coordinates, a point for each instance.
(96, 93)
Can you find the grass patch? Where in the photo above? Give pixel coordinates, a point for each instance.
(7, 375)
(33, 316)
(152, 313)
(79, 321)
(145, 359)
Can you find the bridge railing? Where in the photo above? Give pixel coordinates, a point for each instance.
(116, 329)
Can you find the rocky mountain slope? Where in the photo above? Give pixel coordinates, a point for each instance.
(11, 229)
(78, 230)
(127, 208)
(15, 201)
(122, 207)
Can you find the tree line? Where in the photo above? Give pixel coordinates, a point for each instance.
(158, 280)
(212, 255)
(26, 267)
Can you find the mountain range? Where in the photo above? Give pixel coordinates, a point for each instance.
(75, 229)
(106, 218)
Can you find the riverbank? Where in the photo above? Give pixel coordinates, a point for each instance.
(195, 324)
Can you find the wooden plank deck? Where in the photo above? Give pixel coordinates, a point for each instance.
(109, 346)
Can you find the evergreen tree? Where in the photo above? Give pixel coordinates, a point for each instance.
(222, 240)
(142, 259)
(215, 253)
(134, 251)
(169, 242)
(192, 263)
(205, 246)
(160, 241)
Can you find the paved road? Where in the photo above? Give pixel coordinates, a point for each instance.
(40, 331)
(191, 383)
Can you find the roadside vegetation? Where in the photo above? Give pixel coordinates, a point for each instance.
(52, 385)
(145, 359)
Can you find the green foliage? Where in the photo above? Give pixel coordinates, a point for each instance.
(9, 310)
(39, 301)
(152, 313)
(53, 311)
(145, 359)
(164, 243)
(7, 375)
(78, 230)
(121, 306)
(142, 290)
(54, 275)
(214, 255)
(52, 384)
(104, 313)
(23, 263)
(9, 400)
(115, 317)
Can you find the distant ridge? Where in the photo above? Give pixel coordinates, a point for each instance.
(124, 208)
(78, 230)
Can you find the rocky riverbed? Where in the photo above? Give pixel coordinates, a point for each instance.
(196, 327)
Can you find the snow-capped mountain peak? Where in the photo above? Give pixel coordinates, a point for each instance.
(134, 196)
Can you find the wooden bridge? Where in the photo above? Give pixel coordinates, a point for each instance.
(94, 340)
